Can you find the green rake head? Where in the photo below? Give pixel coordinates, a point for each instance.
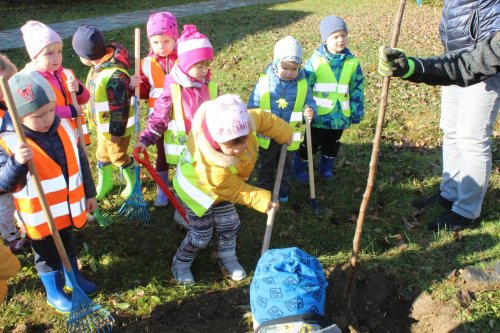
(103, 218)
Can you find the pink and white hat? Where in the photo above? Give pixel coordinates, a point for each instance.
(36, 36)
(227, 118)
(193, 47)
(163, 23)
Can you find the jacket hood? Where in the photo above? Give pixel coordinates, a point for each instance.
(202, 147)
(116, 56)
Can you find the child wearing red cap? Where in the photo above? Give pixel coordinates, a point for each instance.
(162, 34)
(186, 87)
(211, 176)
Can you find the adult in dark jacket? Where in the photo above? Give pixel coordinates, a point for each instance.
(467, 118)
(460, 68)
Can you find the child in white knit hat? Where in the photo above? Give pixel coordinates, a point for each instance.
(211, 177)
(282, 90)
(45, 47)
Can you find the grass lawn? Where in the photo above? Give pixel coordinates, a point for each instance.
(399, 265)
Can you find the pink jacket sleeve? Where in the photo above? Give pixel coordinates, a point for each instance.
(159, 119)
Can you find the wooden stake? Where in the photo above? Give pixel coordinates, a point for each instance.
(356, 243)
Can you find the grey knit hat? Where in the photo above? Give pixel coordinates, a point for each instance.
(329, 25)
(30, 92)
(288, 49)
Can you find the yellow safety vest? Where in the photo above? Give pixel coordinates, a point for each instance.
(326, 83)
(100, 112)
(66, 200)
(295, 117)
(175, 135)
(188, 186)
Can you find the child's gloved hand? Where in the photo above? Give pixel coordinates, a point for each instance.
(392, 62)
(72, 85)
(140, 145)
(308, 113)
(23, 153)
(135, 80)
(272, 205)
(355, 119)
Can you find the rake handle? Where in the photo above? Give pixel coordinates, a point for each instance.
(147, 164)
(36, 178)
(373, 161)
(79, 128)
(276, 189)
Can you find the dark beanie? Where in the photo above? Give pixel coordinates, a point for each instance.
(88, 42)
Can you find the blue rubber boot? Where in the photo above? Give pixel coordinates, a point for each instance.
(87, 286)
(300, 169)
(56, 297)
(161, 198)
(326, 167)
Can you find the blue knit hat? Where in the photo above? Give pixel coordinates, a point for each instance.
(88, 42)
(287, 282)
(329, 25)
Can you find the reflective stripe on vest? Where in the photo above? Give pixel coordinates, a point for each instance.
(175, 135)
(61, 101)
(2, 114)
(196, 195)
(101, 104)
(295, 117)
(66, 200)
(326, 84)
(156, 76)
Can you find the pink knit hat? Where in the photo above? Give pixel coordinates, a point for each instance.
(193, 47)
(227, 118)
(36, 36)
(163, 23)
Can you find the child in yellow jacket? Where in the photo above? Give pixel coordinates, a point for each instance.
(9, 266)
(211, 176)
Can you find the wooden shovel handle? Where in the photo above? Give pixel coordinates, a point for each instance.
(310, 159)
(276, 190)
(36, 179)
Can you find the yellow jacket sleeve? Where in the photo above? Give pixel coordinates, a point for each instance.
(9, 266)
(271, 125)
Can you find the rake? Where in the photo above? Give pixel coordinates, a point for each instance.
(147, 164)
(103, 219)
(135, 207)
(85, 315)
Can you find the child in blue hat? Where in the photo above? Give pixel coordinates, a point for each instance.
(288, 293)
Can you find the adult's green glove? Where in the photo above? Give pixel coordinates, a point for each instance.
(393, 62)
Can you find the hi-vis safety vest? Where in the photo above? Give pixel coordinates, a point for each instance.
(175, 135)
(2, 114)
(156, 76)
(66, 100)
(295, 118)
(188, 186)
(101, 105)
(327, 83)
(66, 200)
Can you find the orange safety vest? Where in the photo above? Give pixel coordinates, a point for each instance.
(153, 71)
(2, 114)
(66, 200)
(65, 101)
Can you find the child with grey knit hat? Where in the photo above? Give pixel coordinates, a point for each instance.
(335, 77)
(282, 90)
